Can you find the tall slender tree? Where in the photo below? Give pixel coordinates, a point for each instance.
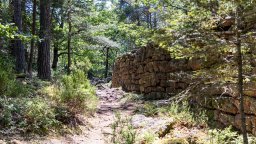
(240, 73)
(44, 68)
(57, 40)
(69, 36)
(33, 32)
(18, 47)
(106, 62)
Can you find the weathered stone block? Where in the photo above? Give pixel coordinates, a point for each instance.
(170, 90)
(161, 76)
(163, 83)
(249, 105)
(140, 70)
(226, 119)
(225, 104)
(248, 122)
(171, 83)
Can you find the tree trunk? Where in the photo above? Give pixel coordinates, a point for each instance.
(44, 69)
(155, 20)
(56, 46)
(69, 36)
(106, 62)
(55, 56)
(240, 75)
(19, 51)
(32, 40)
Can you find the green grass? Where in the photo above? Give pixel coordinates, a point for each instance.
(180, 112)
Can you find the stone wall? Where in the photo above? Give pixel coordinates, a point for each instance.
(152, 71)
(223, 100)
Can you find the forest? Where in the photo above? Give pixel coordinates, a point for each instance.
(128, 71)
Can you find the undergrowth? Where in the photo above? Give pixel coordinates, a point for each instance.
(123, 131)
(228, 136)
(179, 111)
(38, 107)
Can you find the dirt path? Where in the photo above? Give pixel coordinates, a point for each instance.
(101, 131)
(98, 128)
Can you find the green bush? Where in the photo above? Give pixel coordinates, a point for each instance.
(77, 93)
(27, 115)
(123, 131)
(9, 108)
(6, 74)
(39, 117)
(228, 136)
(9, 86)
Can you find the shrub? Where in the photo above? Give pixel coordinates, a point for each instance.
(183, 112)
(8, 84)
(123, 131)
(39, 117)
(148, 109)
(228, 136)
(17, 89)
(27, 115)
(10, 110)
(77, 93)
(6, 74)
(149, 137)
(179, 111)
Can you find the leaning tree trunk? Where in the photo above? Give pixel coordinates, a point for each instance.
(19, 50)
(44, 69)
(240, 75)
(32, 40)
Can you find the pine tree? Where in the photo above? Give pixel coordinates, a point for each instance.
(32, 40)
(44, 69)
(18, 47)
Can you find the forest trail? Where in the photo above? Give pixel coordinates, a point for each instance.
(97, 128)
(110, 103)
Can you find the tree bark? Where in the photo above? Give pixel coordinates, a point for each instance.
(19, 50)
(33, 32)
(69, 36)
(155, 20)
(106, 62)
(55, 56)
(240, 75)
(56, 46)
(44, 69)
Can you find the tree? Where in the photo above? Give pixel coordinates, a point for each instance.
(106, 62)
(44, 69)
(240, 73)
(57, 33)
(69, 36)
(33, 32)
(18, 47)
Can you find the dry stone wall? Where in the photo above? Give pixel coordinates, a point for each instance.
(223, 100)
(152, 71)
